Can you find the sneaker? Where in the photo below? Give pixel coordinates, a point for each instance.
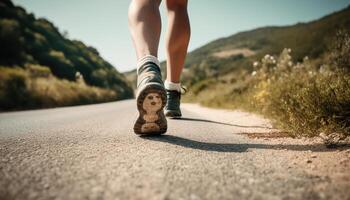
(172, 107)
(151, 99)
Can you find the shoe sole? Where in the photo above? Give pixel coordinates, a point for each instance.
(151, 100)
(172, 114)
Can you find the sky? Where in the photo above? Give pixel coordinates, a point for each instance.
(105, 25)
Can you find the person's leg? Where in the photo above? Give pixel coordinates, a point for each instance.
(145, 26)
(177, 38)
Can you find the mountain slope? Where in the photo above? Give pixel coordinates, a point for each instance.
(240, 50)
(305, 39)
(27, 41)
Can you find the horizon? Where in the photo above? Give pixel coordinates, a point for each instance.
(117, 49)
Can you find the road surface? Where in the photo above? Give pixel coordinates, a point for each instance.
(91, 152)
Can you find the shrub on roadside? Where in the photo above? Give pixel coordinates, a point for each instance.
(36, 87)
(13, 89)
(302, 98)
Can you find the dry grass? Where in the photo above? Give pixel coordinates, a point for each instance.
(36, 87)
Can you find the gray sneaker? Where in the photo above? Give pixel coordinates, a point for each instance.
(172, 107)
(151, 99)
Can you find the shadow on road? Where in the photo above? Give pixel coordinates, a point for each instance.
(224, 147)
(222, 123)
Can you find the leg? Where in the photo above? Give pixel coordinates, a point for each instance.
(177, 38)
(145, 26)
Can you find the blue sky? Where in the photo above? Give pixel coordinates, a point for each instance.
(104, 25)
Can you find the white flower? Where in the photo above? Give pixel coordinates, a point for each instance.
(256, 63)
(253, 73)
(267, 56)
(290, 63)
(289, 50)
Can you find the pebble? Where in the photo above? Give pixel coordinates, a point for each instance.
(308, 161)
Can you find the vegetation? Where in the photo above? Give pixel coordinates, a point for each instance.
(75, 73)
(299, 97)
(306, 98)
(36, 87)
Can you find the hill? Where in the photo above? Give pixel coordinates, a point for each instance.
(225, 55)
(240, 50)
(33, 49)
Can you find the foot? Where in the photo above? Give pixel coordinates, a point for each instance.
(151, 99)
(172, 107)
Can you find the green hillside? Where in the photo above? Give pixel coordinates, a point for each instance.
(33, 49)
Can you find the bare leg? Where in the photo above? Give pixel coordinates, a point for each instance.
(177, 39)
(145, 26)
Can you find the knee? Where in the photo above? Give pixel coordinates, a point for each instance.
(175, 5)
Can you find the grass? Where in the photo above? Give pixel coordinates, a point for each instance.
(35, 87)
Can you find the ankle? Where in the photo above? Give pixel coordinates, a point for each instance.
(172, 86)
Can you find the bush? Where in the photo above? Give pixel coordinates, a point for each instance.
(36, 87)
(11, 42)
(13, 88)
(340, 56)
(302, 99)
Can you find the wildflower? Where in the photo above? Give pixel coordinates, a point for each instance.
(290, 63)
(253, 73)
(289, 50)
(267, 56)
(256, 63)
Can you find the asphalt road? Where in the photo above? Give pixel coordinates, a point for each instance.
(91, 152)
